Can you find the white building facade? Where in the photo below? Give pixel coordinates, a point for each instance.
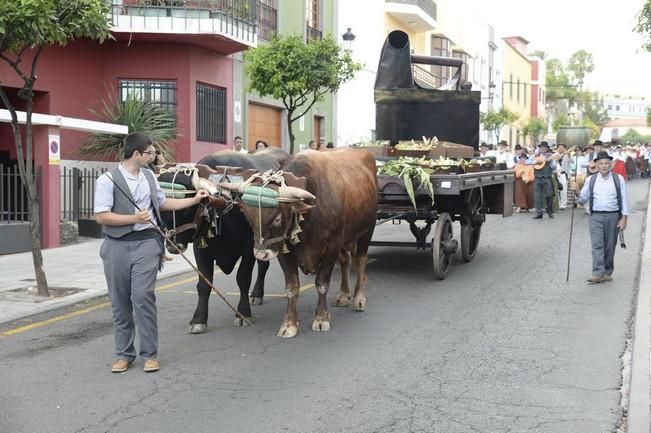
(625, 107)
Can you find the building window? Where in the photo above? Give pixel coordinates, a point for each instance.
(610, 107)
(441, 47)
(267, 19)
(517, 89)
(616, 107)
(211, 113)
(161, 93)
(465, 58)
(511, 86)
(313, 25)
(524, 93)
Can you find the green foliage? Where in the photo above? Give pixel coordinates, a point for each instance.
(580, 64)
(594, 109)
(494, 121)
(534, 128)
(560, 121)
(298, 73)
(633, 136)
(408, 170)
(643, 25)
(140, 116)
(33, 23)
(595, 130)
(648, 116)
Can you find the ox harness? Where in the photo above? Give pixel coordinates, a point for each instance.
(205, 214)
(263, 196)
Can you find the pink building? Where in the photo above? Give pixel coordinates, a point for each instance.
(177, 55)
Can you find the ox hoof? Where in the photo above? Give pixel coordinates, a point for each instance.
(320, 325)
(254, 300)
(239, 322)
(288, 331)
(360, 304)
(198, 328)
(342, 300)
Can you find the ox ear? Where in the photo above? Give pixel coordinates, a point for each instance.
(300, 207)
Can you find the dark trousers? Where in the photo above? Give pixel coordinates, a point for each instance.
(543, 194)
(603, 236)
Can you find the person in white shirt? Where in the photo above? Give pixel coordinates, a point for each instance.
(503, 155)
(605, 194)
(238, 145)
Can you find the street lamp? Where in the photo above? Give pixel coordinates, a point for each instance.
(348, 38)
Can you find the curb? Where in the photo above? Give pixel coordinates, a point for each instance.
(638, 410)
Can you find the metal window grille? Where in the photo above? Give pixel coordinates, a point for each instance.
(162, 93)
(211, 113)
(267, 20)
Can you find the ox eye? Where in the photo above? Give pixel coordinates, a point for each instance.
(277, 221)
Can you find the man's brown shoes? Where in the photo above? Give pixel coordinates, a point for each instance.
(120, 366)
(151, 365)
(595, 279)
(608, 277)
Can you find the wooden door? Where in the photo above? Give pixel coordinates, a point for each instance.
(264, 124)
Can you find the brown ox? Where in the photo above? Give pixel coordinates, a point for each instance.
(341, 219)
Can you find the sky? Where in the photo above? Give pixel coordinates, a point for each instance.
(562, 27)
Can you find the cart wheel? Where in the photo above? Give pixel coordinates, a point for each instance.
(443, 246)
(469, 241)
(471, 226)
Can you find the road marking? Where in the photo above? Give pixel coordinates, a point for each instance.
(72, 314)
(53, 320)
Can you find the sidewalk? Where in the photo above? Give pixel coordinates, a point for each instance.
(75, 266)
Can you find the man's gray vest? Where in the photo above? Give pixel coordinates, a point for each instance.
(122, 205)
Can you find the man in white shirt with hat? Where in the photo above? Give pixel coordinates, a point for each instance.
(605, 192)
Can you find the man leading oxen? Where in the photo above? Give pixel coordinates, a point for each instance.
(219, 237)
(309, 228)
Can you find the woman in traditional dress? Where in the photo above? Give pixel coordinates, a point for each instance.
(523, 186)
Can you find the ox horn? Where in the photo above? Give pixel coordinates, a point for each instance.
(235, 186)
(202, 183)
(291, 192)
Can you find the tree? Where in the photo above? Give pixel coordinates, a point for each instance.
(643, 25)
(633, 136)
(26, 28)
(594, 109)
(580, 64)
(298, 73)
(648, 116)
(595, 130)
(560, 121)
(494, 121)
(534, 128)
(142, 116)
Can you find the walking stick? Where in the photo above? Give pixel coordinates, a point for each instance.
(569, 246)
(176, 247)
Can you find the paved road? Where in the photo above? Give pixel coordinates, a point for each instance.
(503, 345)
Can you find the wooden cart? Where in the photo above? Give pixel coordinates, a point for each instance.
(466, 198)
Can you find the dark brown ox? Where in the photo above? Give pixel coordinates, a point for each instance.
(340, 219)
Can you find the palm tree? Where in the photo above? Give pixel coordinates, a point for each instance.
(141, 116)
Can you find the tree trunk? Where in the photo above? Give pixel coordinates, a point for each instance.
(291, 132)
(37, 256)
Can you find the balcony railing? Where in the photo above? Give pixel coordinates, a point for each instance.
(236, 18)
(428, 6)
(312, 34)
(267, 21)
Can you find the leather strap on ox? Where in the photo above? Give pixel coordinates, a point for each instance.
(265, 197)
